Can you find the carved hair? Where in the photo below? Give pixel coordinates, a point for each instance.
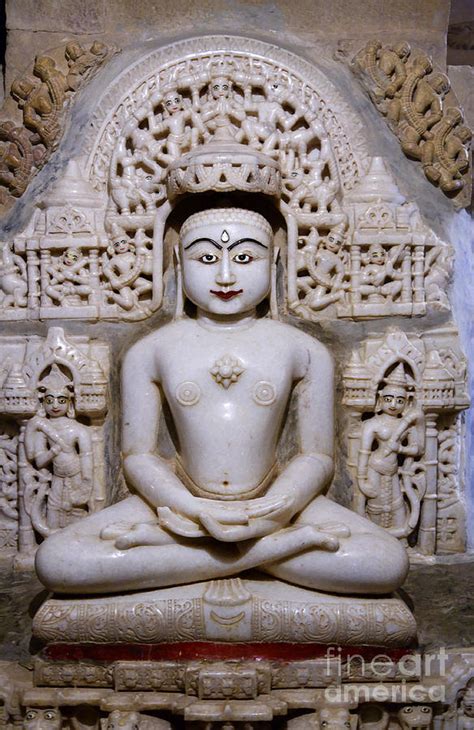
(227, 215)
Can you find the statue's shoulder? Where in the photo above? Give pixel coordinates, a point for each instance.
(165, 335)
(295, 335)
(307, 349)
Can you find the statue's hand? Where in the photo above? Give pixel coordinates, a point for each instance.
(178, 524)
(262, 519)
(367, 489)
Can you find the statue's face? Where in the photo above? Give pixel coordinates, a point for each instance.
(333, 242)
(226, 267)
(120, 245)
(71, 256)
(393, 400)
(220, 87)
(173, 102)
(377, 255)
(56, 403)
(39, 718)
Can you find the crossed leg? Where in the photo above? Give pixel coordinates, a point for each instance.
(78, 560)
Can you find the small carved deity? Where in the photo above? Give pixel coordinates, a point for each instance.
(420, 105)
(69, 278)
(13, 279)
(122, 266)
(263, 130)
(380, 279)
(81, 62)
(182, 124)
(445, 156)
(55, 441)
(391, 495)
(226, 374)
(323, 261)
(222, 110)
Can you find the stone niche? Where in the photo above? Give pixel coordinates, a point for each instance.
(114, 164)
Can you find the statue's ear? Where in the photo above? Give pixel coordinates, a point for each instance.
(178, 312)
(273, 284)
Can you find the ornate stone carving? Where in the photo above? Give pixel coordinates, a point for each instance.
(254, 616)
(404, 393)
(65, 264)
(42, 95)
(51, 469)
(381, 261)
(410, 93)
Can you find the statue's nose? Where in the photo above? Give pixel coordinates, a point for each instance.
(225, 274)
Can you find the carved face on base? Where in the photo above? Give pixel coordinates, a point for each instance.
(42, 718)
(226, 260)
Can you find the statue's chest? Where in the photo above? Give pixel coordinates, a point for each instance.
(227, 378)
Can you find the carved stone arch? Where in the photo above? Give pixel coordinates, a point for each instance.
(161, 67)
(393, 360)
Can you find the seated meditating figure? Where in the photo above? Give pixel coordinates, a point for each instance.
(226, 504)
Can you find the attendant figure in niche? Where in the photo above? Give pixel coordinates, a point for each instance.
(394, 432)
(226, 375)
(56, 441)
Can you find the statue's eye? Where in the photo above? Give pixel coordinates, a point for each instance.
(30, 715)
(243, 258)
(347, 724)
(50, 715)
(324, 723)
(407, 710)
(225, 87)
(425, 709)
(208, 258)
(62, 401)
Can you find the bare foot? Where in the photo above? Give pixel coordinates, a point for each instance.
(144, 533)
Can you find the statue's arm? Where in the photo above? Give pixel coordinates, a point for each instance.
(145, 470)
(309, 473)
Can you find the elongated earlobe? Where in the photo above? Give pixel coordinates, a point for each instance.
(179, 309)
(273, 285)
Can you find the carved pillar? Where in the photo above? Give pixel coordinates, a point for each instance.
(427, 530)
(406, 293)
(45, 260)
(94, 296)
(355, 274)
(33, 273)
(418, 287)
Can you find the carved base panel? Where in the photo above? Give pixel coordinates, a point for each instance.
(343, 688)
(253, 611)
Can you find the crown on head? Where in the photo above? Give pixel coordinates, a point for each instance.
(226, 216)
(56, 382)
(397, 378)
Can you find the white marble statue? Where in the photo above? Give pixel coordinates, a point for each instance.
(226, 504)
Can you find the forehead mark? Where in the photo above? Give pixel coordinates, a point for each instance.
(247, 240)
(203, 240)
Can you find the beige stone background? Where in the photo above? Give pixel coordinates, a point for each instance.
(441, 594)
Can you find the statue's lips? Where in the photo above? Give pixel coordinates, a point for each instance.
(226, 295)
